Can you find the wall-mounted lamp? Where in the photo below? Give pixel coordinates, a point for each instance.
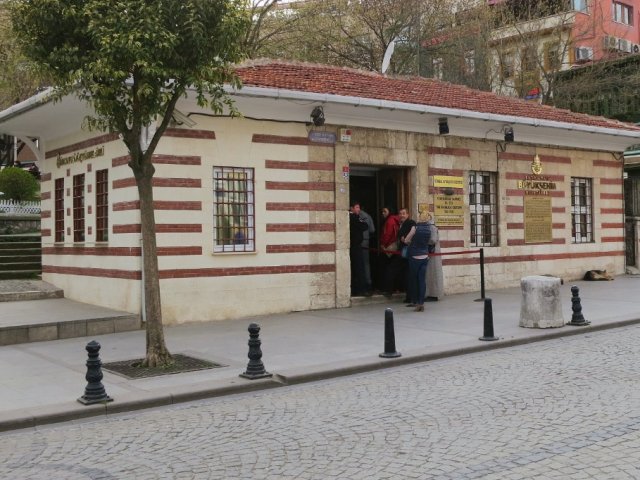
(317, 116)
(508, 134)
(180, 118)
(443, 126)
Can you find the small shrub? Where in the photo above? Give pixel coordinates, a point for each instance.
(18, 184)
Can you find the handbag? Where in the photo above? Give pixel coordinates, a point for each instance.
(392, 247)
(404, 253)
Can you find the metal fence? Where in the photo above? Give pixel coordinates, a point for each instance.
(12, 207)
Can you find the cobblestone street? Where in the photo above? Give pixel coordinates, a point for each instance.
(566, 408)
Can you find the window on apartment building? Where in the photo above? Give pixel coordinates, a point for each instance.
(483, 208)
(233, 209)
(102, 205)
(581, 210)
(552, 57)
(438, 68)
(622, 13)
(528, 59)
(470, 62)
(58, 210)
(506, 65)
(580, 5)
(78, 208)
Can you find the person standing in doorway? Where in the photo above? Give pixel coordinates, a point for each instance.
(389, 247)
(406, 224)
(356, 230)
(366, 242)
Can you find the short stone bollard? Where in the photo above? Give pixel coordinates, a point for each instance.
(577, 319)
(541, 306)
(255, 367)
(488, 335)
(389, 336)
(94, 392)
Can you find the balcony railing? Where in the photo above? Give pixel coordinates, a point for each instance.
(13, 207)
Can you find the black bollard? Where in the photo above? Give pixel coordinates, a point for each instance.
(577, 319)
(389, 336)
(488, 322)
(94, 392)
(255, 367)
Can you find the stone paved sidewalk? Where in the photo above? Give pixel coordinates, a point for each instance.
(41, 381)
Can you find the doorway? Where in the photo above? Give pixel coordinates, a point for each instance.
(375, 188)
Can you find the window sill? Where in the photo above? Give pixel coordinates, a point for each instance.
(255, 252)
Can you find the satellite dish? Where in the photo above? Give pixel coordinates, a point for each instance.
(387, 55)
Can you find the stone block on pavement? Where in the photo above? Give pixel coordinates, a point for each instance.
(540, 305)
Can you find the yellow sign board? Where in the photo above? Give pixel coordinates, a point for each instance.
(449, 210)
(444, 181)
(448, 205)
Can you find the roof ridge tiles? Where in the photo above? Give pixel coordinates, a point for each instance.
(347, 81)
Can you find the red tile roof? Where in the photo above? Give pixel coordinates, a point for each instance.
(313, 78)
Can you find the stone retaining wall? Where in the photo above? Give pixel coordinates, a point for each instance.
(27, 223)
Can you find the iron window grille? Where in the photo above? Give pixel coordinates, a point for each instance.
(581, 210)
(78, 208)
(483, 207)
(58, 212)
(233, 209)
(102, 205)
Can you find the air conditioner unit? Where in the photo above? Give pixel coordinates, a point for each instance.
(610, 42)
(624, 45)
(584, 53)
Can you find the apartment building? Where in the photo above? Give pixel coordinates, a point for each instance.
(534, 40)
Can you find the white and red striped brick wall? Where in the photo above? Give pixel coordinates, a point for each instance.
(301, 259)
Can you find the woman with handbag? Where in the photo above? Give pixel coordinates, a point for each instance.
(389, 246)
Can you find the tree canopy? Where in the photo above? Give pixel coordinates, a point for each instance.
(18, 78)
(132, 60)
(18, 184)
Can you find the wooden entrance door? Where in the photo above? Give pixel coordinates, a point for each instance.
(394, 189)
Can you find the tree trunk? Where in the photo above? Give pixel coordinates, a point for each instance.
(157, 353)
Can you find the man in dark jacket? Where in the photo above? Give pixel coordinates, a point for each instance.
(357, 226)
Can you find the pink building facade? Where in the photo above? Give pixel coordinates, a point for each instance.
(605, 29)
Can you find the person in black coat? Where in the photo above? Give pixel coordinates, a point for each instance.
(399, 267)
(357, 226)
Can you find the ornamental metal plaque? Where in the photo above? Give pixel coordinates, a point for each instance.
(538, 227)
